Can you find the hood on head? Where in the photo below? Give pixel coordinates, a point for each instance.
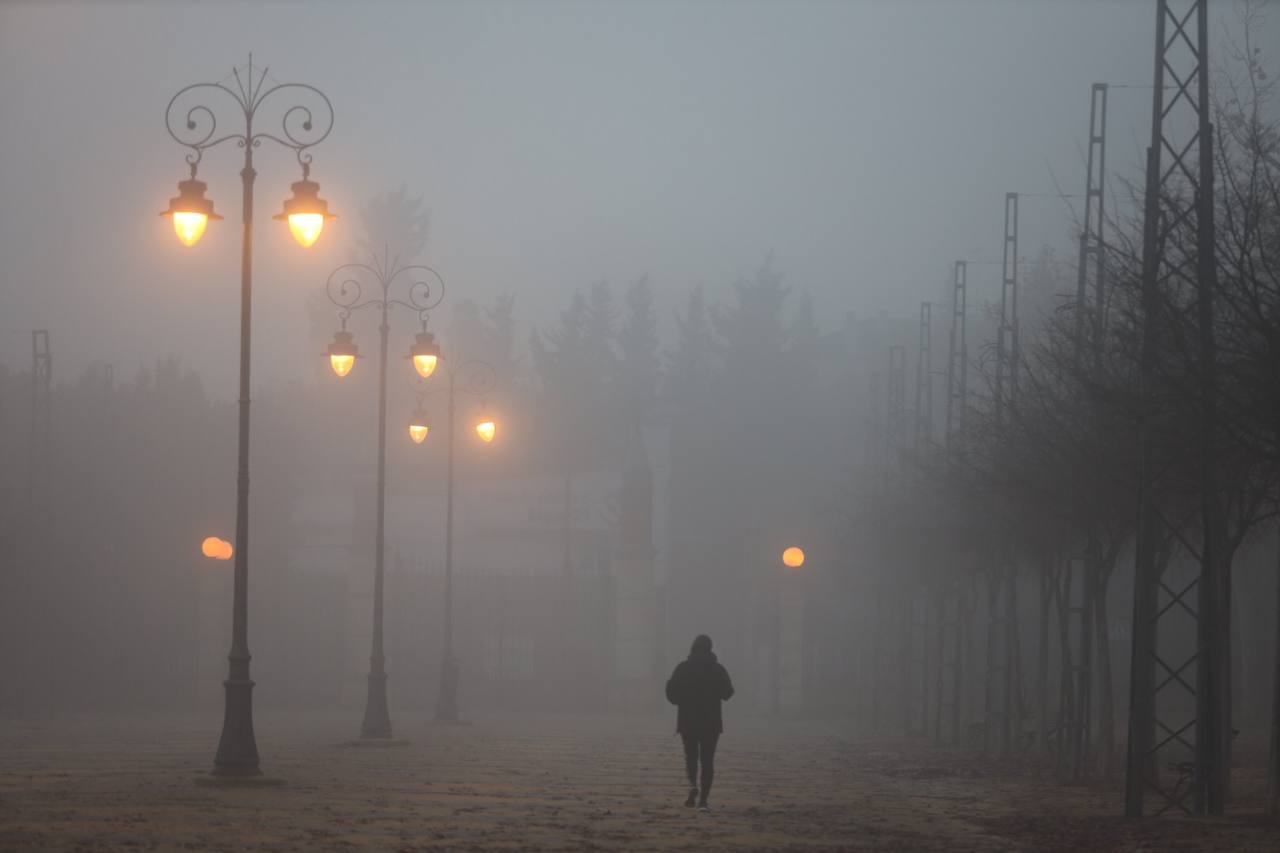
(701, 648)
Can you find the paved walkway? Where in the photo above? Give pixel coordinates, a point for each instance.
(507, 783)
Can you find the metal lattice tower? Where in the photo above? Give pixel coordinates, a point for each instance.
(897, 426)
(1007, 335)
(1002, 708)
(1174, 753)
(1091, 266)
(920, 602)
(922, 439)
(950, 605)
(1078, 577)
(958, 358)
(41, 417)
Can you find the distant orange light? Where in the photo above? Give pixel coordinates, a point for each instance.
(486, 429)
(216, 549)
(793, 558)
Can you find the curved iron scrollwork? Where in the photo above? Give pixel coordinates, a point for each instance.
(475, 377)
(472, 376)
(306, 115)
(424, 287)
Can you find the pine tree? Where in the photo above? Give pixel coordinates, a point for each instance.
(690, 364)
(640, 366)
(395, 222)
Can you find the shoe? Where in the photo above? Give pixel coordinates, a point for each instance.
(704, 808)
(692, 799)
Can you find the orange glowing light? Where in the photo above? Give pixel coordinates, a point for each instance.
(425, 364)
(793, 558)
(216, 549)
(486, 429)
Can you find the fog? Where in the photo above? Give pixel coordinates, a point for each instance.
(689, 242)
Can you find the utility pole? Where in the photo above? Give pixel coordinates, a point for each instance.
(957, 360)
(899, 585)
(1180, 196)
(951, 597)
(1075, 707)
(919, 589)
(41, 422)
(39, 590)
(1003, 707)
(922, 437)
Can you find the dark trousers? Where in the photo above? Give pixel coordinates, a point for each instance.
(700, 748)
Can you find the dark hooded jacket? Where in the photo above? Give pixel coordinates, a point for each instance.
(697, 686)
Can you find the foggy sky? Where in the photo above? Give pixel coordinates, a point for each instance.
(868, 145)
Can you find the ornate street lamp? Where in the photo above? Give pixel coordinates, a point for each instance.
(343, 352)
(477, 378)
(305, 118)
(305, 212)
(418, 426)
(424, 289)
(190, 211)
(425, 353)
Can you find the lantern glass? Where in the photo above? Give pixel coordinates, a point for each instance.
(425, 364)
(189, 225)
(342, 363)
(306, 228)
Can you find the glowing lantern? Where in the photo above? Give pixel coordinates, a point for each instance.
(425, 353)
(342, 353)
(418, 426)
(190, 211)
(215, 548)
(306, 212)
(793, 558)
(486, 429)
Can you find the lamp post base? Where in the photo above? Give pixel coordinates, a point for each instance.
(237, 748)
(377, 720)
(447, 698)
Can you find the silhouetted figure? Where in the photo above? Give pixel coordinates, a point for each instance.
(697, 686)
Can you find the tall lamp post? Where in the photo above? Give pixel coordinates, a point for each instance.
(476, 378)
(305, 118)
(345, 291)
(792, 558)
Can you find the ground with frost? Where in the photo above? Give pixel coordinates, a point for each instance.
(551, 784)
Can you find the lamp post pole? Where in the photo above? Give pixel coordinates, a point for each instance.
(478, 378)
(344, 290)
(447, 698)
(305, 120)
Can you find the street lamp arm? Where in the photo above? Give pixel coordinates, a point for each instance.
(345, 291)
(477, 377)
(192, 120)
(304, 132)
(474, 377)
(423, 296)
(197, 127)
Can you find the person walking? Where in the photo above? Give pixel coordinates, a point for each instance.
(697, 687)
